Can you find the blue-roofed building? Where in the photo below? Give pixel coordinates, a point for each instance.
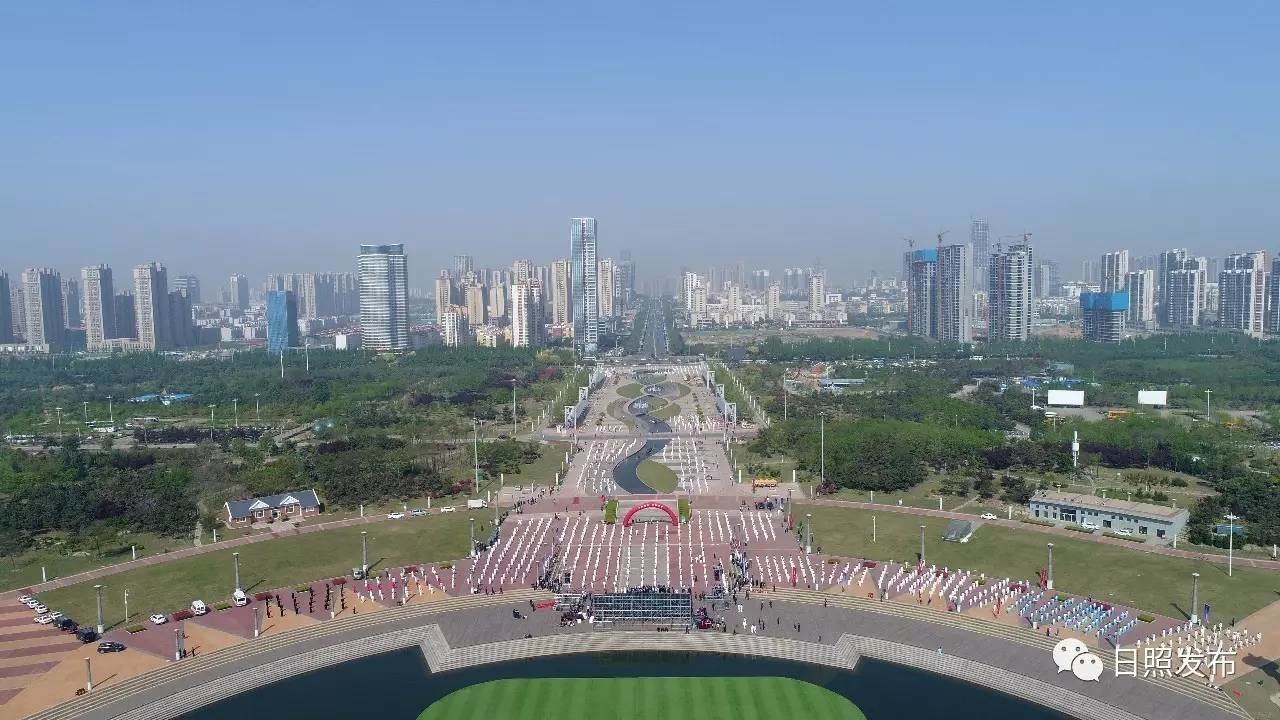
(1103, 314)
(282, 320)
(285, 506)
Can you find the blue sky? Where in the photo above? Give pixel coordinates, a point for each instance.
(259, 137)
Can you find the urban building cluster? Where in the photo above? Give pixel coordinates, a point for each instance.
(580, 298)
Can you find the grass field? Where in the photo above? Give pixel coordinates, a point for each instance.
(171, 586)
(543, 470)
(631, 390)
(669, 698)
(666, 412)
(657, 476)
(1156, 583)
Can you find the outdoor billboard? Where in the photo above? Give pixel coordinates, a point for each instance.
(1071, 398)
(1153, 397)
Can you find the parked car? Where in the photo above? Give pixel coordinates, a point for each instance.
(87, 635)
(159, 619)
(55, 615)
(44, 619)
(417, 512)
(1125, 531)
(394, 515)
(24, 599)
(198, 607)
(448, 508)
(989, 516)
(239, 599)
(31, 602)
(1088, 525)
(66, 624)
(39, 608)
(110, 646)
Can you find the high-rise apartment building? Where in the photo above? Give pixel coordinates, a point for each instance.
(71, 303)
(607, 282)
(1048, 281)
(561, 306)
(6, 310)
(1141, 287)
(126, 312)
(1103, 315)
(526, 316)
(282, 321)
(444, 294)
(626, 282)
(42, 293)
(1115, 266)
(1009, 299)
(955, 294)
(188, 285)
(453, 328)
(980, 239)
(473, 297)
(151, 306)
(239, 287)
(1184, 297)
(922, 288)
(521, 271)
(773, 302)
(584, 294)
(1167, 263)
(99, 306)
(499, 305)
(383, 277)
(18, 308)
(1242, 293)
(817, 293)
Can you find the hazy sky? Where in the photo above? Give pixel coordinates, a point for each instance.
(259, 136)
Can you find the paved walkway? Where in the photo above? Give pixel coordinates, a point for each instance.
(1151, 548)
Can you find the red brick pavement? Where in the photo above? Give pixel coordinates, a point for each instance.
(40, 649)
(20, 670)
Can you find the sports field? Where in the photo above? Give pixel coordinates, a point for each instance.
(670, 698)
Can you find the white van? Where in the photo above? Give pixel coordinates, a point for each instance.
(239, 599)
(474, 504)
(198, 607)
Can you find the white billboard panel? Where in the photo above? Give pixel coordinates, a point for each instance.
(1071, 398)
(1153, 397)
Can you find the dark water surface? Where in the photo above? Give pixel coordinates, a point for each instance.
(399, 686)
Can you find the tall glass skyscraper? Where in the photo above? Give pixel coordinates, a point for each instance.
(384, 297)
(585, 291)
(282, 321)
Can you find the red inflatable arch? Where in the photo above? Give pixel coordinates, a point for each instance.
(626, 519)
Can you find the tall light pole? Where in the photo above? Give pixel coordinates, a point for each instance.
(59, 424)
(922, 545)
(822, 448)
(785, 395)
(1231, 540)
(86, 412)
(257, 412)
(475, 455)
(126, 606)
(1049, 578)
(513, 408)
(1195, 598)
(808, 531)
(97, 590)
(235, 410)
(1207, 414)
(472, 551)
(364, 551)
(211, 422)
(111, 410)
(235, 557)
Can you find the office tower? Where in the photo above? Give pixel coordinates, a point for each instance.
(954, 294)
(921, 267)
(99, 306)
(1103, 315)
(126, 312)
(188, 285)
(1141, 286)
(525, 318)
(151, 308)
(1185, 289)
(817, 293)
(42, 293)
(773, 302)
(561, 313)
(980, 239)
(239, 286)
(583, 277)
(453, 328)
(6, 310)
(1009, 299)
(607, 283)
(1047, 281)
(444, 294)
(1242, 292)
(474, 300)
(383, 277)
(282, 321)
(462, 264)
(497, 303)
(181, 331)
(70, 303)
(1115, 266)
(626, 281)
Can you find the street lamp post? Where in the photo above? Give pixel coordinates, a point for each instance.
(1049, 577)
(1231, 540)
(257, 414)
(922, 545)
(475, 455)
(472, 551)
(513, 409)
(808, 531)
(364, 551)
(1207, 414)
(86, 412)
(822, 448)
(1195, 598)
(211, 422)
(111, 410)
(97, 589)
(235, 557)
(126, 606)
(235, 411)
(59, 424)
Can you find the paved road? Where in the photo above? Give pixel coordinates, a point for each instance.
(1059, 531)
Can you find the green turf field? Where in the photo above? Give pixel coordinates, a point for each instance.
(631, 390)
(657, 476)
(677, 698)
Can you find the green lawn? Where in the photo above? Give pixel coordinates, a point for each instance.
(631, 390)
(170, 586)
(669, 698)
(24, 570)
(666, 412)
(543, 470)
(1156, 583)
(924, 495)
(657, 476)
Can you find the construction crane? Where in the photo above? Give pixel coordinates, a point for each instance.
(944, 232)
